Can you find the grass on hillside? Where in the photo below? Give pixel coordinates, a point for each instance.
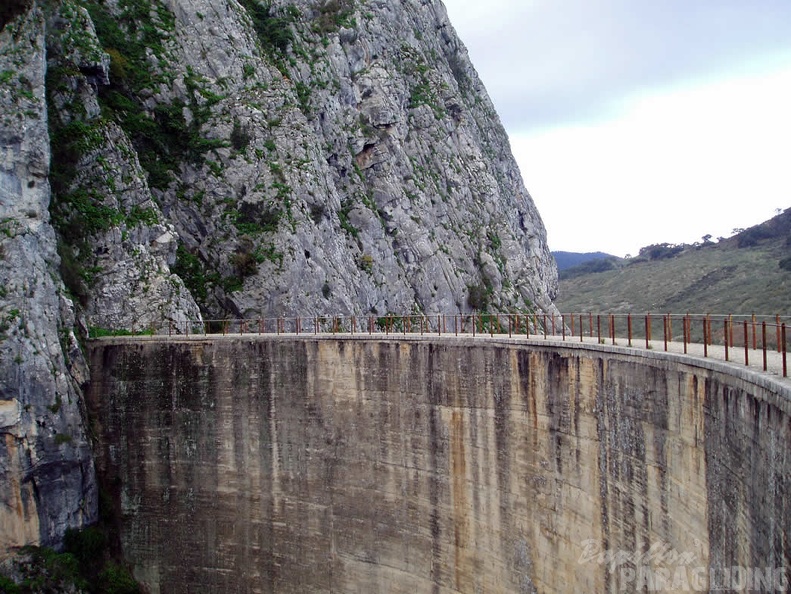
(717, 278)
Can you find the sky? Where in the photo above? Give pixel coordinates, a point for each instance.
(637, 122)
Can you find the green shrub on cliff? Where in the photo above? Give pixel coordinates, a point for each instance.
(84, 566)
(274, 32)
(8, 587)
(116, 579)
(44, 570)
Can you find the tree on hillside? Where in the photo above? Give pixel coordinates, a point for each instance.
(660, 251)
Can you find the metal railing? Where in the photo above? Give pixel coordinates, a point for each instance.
(737, 337)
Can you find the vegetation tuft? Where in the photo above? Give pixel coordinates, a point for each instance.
(333, 15)
(85, 564)
(192, 271)
(343, 216)
(274, 31)
(479, 296)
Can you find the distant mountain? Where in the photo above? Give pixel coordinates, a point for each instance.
(749, 272)
(570, 259)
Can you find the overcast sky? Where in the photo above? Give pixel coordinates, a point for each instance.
(640, 121)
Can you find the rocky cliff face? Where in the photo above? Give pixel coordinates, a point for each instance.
(305, 157)
(234, 159)
(46, 468)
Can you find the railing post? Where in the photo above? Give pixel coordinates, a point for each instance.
(563, 327)
(629, 327)
(725, 337)
(670, 326)
(746, 345)
(572, 325)
(755, 342)
(648, 331)
(778, 331)
(705, 336)
(665, 328)
(685, 330)
(439, 325)
(783, 337)
(763, 341)
(612, 327)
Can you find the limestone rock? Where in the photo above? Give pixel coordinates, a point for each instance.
(110, 223)
(46, 464)
(354, 164)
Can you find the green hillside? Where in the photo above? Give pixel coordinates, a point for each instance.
(747, 273)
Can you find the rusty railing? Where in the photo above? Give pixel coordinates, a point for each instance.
(740, 338)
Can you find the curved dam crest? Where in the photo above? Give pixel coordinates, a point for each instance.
(438, 465)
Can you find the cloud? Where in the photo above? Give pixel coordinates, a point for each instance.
(671, 168)
(640, 122)
(547, 62)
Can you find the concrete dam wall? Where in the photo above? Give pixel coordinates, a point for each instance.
(439, 465)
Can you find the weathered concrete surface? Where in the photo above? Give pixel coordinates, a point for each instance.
(310, 465)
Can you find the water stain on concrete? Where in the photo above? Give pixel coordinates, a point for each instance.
(309, 465)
